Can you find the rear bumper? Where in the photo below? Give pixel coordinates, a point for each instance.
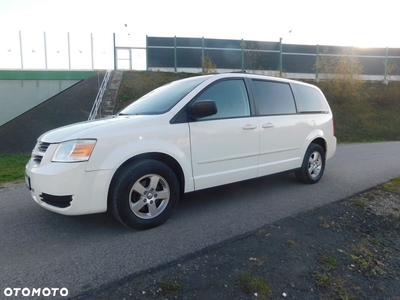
(331, 147)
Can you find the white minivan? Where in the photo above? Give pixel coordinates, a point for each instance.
(185, 136)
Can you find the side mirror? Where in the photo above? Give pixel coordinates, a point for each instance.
(201, 109)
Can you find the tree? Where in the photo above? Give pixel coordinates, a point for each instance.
(342, 76)
(254, 58)
(208, 65)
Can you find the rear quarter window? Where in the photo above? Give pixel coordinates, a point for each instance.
(310, 99)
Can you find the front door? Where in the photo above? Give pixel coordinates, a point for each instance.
(225, 146)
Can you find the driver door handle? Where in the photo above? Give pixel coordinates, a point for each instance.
(249, 127)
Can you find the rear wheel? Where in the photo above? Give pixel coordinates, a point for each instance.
(313, 165)
(145, 194)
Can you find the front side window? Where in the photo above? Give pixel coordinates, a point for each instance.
(231, 99)
(274, 98)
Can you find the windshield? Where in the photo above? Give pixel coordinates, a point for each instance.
(162, 99)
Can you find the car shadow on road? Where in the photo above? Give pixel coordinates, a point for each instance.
(200, 202)
(238, 191)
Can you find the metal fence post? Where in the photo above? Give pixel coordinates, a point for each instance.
(351, 60)
(91, 49)
(147, 52)
(175, 54)
(130, 59)
(316, 65)
(69, 53)
(115, 53)
(202, 54)
(242, 44)
(280, 57)
(20, 50)
(386, 64)
(45, 50)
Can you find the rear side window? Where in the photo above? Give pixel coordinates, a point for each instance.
(310, 100)
(274, 98)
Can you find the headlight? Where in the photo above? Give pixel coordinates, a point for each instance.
(74, 151)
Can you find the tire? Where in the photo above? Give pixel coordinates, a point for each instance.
(313, 165)
(144, 194)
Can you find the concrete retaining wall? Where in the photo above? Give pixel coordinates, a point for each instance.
(21, 91)
(19, 96)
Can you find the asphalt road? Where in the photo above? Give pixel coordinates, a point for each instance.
(40, 249)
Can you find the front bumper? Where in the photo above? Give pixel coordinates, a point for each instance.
(67, 188)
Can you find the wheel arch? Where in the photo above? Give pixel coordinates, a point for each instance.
(321, 142)
(161, 157)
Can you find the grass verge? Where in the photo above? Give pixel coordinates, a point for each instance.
(392, 186)
(254, 285)
(12, 167)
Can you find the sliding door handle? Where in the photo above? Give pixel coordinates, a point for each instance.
(268, 125)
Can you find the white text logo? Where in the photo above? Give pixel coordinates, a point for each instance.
(40, 292)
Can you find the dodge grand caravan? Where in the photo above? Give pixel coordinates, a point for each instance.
(185, 136)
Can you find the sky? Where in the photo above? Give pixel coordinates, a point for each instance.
(344, 23)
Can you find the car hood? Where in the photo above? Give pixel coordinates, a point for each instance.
(114, 125)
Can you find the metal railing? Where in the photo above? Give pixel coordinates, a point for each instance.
(81, 51)
(99, 97)
(178, 54)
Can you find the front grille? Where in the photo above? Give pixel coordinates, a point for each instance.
(57, 201)
(39, 151)
(42, 146)
(37, 158)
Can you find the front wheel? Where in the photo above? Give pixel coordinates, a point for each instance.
(144, 194)
(313, 165)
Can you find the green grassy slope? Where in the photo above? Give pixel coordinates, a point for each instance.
(374, 115)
